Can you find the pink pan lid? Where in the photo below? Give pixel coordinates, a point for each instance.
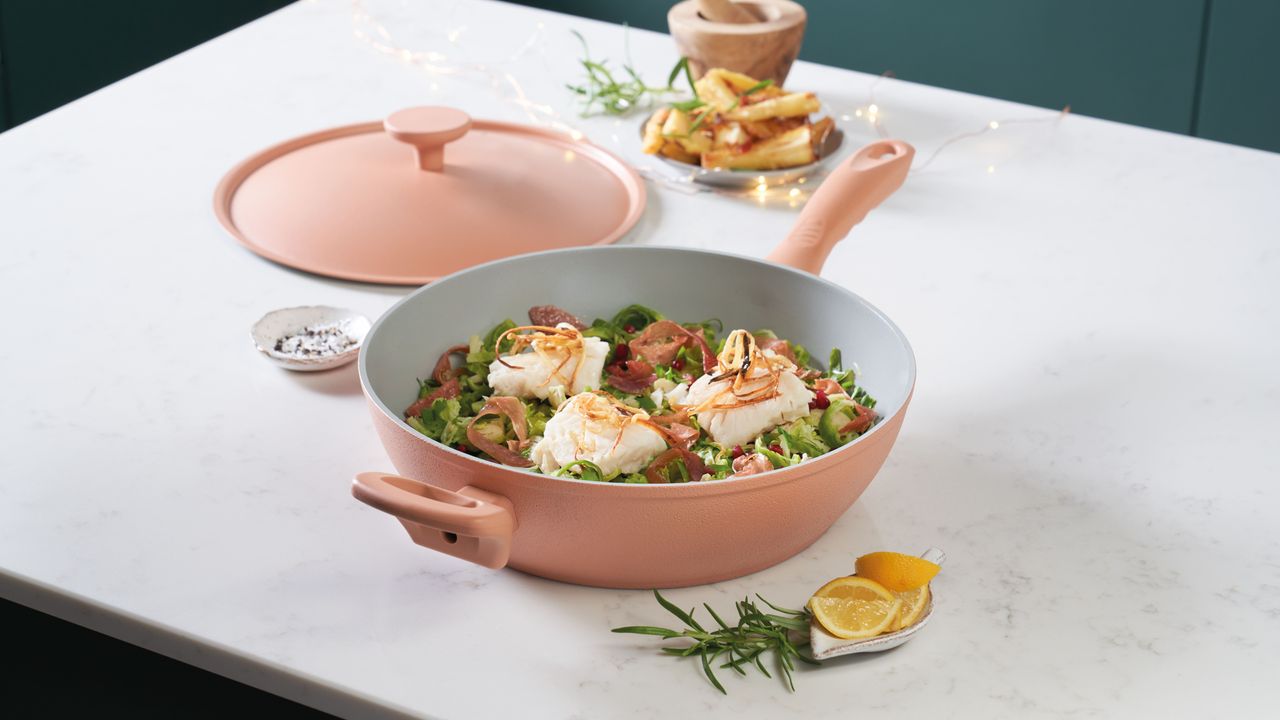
(425, 193)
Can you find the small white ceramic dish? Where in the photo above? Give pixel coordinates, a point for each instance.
(278, 325)
(824, 645)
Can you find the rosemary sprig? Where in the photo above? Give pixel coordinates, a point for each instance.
(601, 91)
(756, 633)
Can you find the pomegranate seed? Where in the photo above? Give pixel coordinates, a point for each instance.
(738, 452)
(461, 447)
(678, 364)
(629, 328)
(776, 448)
(820, 401)
(622, 352)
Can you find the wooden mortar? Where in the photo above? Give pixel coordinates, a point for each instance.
(764, 50)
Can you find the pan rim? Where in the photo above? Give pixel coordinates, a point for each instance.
(776, 475)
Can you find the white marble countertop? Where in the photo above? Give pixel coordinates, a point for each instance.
(1094, 308)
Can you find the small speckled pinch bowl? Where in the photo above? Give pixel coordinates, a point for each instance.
(279, 324)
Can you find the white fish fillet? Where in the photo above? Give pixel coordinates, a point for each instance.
(587, 428)
(741, 426)
(537, 374)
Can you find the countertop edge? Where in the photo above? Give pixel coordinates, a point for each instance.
(196, 651)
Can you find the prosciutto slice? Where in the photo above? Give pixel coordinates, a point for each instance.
(632, 376)
(751, 464)
(828, 386)
(674, 430)
(778, 346)
(512, 409)
(444, 366)
(450, 389)
(692, 463)
(662, 340)
(866, 416)
(681, 436)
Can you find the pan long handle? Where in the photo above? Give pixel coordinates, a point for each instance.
(471, 524)
(852, 190)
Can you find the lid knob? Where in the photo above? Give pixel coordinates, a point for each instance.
(428, 129)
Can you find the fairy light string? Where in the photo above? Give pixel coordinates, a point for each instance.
(874, 114)
(438, 63)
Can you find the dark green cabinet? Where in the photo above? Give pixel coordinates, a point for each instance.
(1128, 60)
(54, 51)
(1204, 67)
(1240, 94)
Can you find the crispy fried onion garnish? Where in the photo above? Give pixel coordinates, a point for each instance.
(512, 409)
(753, 375)
(563, 341)
(613, 413)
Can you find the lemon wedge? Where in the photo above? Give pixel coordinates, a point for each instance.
(913, 604)
(855, 607)
(896, 571)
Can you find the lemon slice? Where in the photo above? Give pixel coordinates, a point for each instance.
(854, 607)
(913, 604)
(896, 571)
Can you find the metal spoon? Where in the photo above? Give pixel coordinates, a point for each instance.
(824, 645)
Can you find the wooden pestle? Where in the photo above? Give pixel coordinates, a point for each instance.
(725, 11)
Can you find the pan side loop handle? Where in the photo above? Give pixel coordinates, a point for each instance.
(852, 190)
(471, 524)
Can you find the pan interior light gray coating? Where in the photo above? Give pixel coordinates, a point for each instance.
(685, 285)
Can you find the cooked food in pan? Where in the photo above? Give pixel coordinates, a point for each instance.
(739, 123)
(638, 398)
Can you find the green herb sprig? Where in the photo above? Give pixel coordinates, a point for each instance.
(602, 91)
(756, 633)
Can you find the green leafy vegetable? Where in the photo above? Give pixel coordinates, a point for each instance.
(801, 437)
(756, 634)
(586, 470)
(637, 316)
(841, 412)
(861, 397)
(447, 419)
(803, 359)
(778, 459)
(604, 330)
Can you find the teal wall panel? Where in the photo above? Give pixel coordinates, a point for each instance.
(1240, 91)
(1205, 67)
(57, 50)
(4, 86)
(1129, 60)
